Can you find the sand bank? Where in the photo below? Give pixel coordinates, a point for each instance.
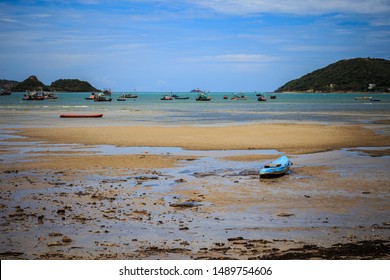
(288, 138)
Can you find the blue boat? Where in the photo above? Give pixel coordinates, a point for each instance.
(276, 168)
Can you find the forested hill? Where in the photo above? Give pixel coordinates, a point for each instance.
(72, 85)
(33, 83)
(352, 75)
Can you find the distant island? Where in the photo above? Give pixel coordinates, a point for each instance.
(352, 75)
(63, 85)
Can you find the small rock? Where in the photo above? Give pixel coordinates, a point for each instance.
(183, 228)
(66, 239)
(52, 234)
(187, 204)
(235, 238)
(56, 243)
(181, 180)
(285, 215)
(61, 211)
(40, 219)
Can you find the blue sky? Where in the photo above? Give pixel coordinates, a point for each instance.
(178, 45)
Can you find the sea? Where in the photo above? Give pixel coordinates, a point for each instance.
(148, 109)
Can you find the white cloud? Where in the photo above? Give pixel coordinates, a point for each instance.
(7, 19)
(234, 58)
(300, 7)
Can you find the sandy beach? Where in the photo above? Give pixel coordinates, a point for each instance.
(288, 138)
(63, 201)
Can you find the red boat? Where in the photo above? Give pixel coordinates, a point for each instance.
(81, 116)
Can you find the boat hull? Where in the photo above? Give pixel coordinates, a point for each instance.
(203, 99)
(276, 168)
(81, 115)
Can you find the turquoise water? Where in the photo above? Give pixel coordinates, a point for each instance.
(148, 109)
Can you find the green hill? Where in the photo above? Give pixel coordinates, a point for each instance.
(31, 83)
(72, 85)
(352, 75)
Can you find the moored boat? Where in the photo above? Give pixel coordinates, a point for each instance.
(103, 96)
(239, 96)
(167, 97)
(91, 97)
(261, 98)
(203, 97)
(276, 168)
(363, 98)
(130, 95)
(121, 98)
(81, 115)
(35, 95)
(175, 96)
(50, 95)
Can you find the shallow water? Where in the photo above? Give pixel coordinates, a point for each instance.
(148, 109)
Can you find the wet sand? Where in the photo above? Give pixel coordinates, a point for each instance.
(165, 205)
(287, 138)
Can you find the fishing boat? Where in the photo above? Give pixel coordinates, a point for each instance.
(180, 97)
(203, 97)
(81, 115)
(91, 97)
(273, 97)
(167, 97)
(50, 95)
(239, 96)
(261, 98)
(363, 98)
(276, 168)
(121, 98)
(130, 95)
(35, 95)
(103, 96)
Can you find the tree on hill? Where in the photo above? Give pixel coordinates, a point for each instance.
(356, 75)
(72, 85)
(30, 84)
